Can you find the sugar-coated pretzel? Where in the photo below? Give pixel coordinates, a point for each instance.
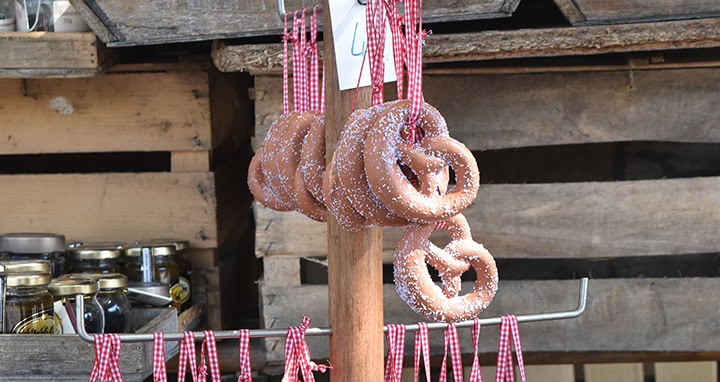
(312, 163)
(392, 188)
(415, 286)
(259, 188)
(288, 151)
(337, 202)
(306, 202)
(272, 149)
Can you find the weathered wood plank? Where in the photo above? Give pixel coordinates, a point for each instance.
(524, 43)
(558, 220)
(686, 371)
(114, 112)
(116, 207)
(656, 315)
(508, 111)
(614, 372)
(44, 50)
(550, 373)
(618, 11)
(136, 23)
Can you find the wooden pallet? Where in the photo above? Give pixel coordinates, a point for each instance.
(632, 320)
(194, 122)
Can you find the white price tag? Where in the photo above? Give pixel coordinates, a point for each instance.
(350, 39)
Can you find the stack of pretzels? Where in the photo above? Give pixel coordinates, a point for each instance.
(390, 168)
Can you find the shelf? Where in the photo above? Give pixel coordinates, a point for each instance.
(49, 54)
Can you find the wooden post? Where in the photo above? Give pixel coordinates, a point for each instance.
(354, 258)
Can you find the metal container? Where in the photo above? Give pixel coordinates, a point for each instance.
(34, 246)
(94, 258)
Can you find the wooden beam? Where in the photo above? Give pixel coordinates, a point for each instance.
(612, 12)
(614, 372)
(47, 50)
(116, 207)
(658, 316)
(559, 220)
(355, 276)
(490, 111)
(189, 161)
(686, 371)
(113, 112)
(570, 10)
(524, 43)
(197, 20)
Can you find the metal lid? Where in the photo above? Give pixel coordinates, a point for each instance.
(30, 243)
(95, 252)
(28, 279)
(71, 287)
(106, 280)
(180, 245)
(72, 244)
(157, 250)
(27, 266)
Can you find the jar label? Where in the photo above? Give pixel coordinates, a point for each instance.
(180, 292)
(39, 323)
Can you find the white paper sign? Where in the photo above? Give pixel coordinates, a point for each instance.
(350, 39)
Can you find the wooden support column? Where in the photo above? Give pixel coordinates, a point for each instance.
(354, 258)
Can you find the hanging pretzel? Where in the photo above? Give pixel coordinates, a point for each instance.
(415, 286)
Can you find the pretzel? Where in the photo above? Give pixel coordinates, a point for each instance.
(272, 149)
(306, 202)
(337, 202)
(415, 286)
(312, 162)
(392, 188)
(259, 188)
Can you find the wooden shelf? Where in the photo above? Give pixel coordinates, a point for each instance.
(49, 54)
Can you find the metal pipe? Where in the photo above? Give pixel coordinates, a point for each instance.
(267, 333)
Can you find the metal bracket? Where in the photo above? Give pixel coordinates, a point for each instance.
(267, 333)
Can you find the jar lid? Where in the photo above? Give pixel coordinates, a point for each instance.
(27, 266)
(95, 252)
(157, 250)
(71, 287)
(180, 245)
(106, 280)
(29, 243)
(72, 244)
(28, 279)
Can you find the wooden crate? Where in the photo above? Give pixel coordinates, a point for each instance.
(132, 155)
(49, 54)
(68, 358)
(623, 11)
(620, 216)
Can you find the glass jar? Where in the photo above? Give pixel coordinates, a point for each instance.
(182, 291)
(165, 269)
(28, 305)
(64, 291)
(94, 258)
(113, 299)
(35, 246)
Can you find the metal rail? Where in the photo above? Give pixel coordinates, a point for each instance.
(266, 333)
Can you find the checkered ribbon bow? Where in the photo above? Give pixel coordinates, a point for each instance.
(396, 347)
(422, 347)
(187, 356)
(297, 355)
(159, 371)
(107, 358)
(210, 345)
(451, 338)
(475, 375)
(244, 353)
(508, 327)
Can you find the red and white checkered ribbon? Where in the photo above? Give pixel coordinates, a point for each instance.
(422, 347)
(375, 24)
(413, 40)
(297, 355)
(287, 37)
(508, 327)
(451, 338)
(297, 61)
(107, 359)
(396, 348)
(322, 88)
(159, 371)
(398, 40)
(244, 354)
(187, 356)
(475, 375)
(210, 345)
(314, 61)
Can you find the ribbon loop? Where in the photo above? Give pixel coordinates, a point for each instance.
(187, 356)
(107, 359)
(159, 370)
(451, 339)
(209, 344)
(509, 327)
(422, 348)
(244, 353)
(475, 375)
(297, 355)
(396, 347)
